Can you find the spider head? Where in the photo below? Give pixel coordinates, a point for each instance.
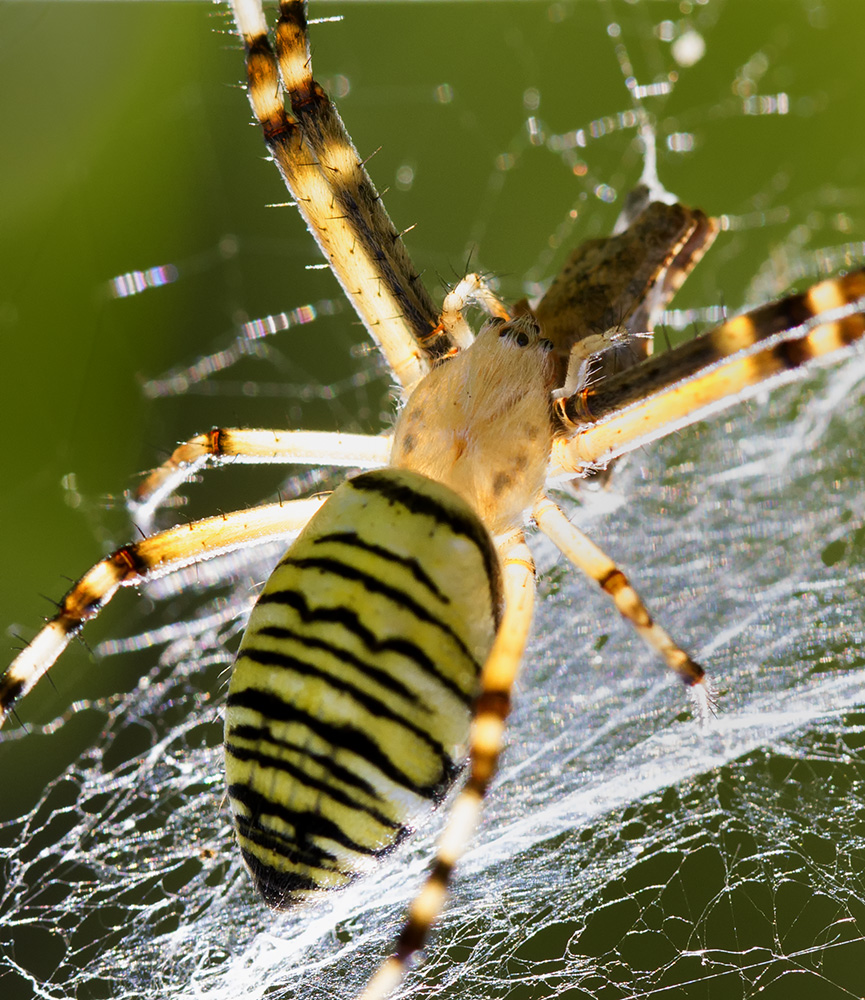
(481, 422)
(521, 331)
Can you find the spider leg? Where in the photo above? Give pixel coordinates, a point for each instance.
(335, 195)
(473, 289)
(139, 563)
(224, 445)
(757, 350)
(598, 566)
(587, 349)
(485, 744)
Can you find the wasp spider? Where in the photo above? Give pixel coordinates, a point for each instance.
(389, 636)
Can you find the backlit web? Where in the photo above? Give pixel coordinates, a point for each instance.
(623, 852)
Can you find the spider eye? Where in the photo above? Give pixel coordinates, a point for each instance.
(546, 345)
(522, 340)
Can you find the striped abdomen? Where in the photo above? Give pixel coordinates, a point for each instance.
(349, 705)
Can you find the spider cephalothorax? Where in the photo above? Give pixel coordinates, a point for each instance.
(481, 422)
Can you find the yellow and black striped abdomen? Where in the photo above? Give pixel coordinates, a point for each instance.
(349, 705)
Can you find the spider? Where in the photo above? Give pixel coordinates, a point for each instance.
(510, 371)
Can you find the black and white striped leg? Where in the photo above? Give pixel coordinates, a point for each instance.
(486, 740)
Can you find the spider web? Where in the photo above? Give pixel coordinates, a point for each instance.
(624, 852)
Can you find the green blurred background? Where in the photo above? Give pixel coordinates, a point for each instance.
(126, 147)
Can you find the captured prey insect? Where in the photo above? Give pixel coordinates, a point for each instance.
(402, 610)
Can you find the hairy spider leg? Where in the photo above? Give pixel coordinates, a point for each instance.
(485, 744)
(335, 194)
(138, 563)
(754, 351)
